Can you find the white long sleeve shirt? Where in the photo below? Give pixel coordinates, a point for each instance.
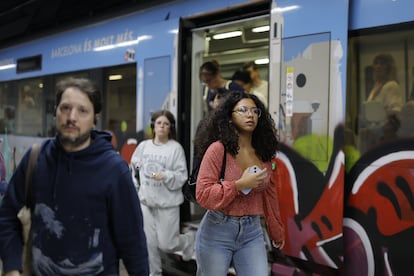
(167, 160)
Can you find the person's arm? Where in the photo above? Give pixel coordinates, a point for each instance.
(210, 193)
(127, 224)
(272, 213)
(393, 100)
(176, 173)
(11, 241)
(136, 157)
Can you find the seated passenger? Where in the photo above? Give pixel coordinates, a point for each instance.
(386, 89)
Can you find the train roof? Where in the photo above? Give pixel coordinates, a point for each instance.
(24, 20)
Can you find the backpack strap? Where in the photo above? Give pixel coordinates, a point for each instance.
(34, 154)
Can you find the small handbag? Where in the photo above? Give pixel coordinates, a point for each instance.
(137, 177)
(189, 187)
(135, 171)
(25, 213)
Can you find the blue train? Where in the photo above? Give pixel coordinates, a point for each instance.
(340, 88)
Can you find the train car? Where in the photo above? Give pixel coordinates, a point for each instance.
(340, 88)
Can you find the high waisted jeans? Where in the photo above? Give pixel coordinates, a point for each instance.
(227, 240)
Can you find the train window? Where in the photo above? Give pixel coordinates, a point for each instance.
(8, 107)
(380, 86)
(307, 112)
(119, 112)
(29, 114)
(27, 105)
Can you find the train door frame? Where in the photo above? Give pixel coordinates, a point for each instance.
(187, 75)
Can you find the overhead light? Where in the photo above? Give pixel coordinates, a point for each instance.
(261, 29)
(7, 66)
(115, 77)
(262, 61)
(227, 35)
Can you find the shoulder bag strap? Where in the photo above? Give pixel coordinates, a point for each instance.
(223, 167)
(34, 154)
(27, 251)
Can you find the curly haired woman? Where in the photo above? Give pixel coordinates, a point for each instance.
(230, 231)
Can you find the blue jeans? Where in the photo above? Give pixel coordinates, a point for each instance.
(227, 240)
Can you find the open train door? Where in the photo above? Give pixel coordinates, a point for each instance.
(307, 80)
(196, 45)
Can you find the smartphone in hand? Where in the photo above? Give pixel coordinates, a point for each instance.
(252, 169)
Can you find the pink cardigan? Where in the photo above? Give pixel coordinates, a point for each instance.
(225, 197)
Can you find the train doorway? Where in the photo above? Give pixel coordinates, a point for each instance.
(230, 37)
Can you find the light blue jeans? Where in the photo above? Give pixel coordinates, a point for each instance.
(224, 240)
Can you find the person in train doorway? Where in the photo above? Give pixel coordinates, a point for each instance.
(243, 79)
(219, 97)
(162, 168)
(259, 85)
(81, 189)
(210, 76)
(230, 232)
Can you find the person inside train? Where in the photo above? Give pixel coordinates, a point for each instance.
(386, 89)
(242, 78)
(390, 128)
(259, 85)
(210, 76)
(383, 102)
(219, 97)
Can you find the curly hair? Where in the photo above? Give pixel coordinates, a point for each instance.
(217, 126)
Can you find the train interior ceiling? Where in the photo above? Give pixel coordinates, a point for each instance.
(243, 41)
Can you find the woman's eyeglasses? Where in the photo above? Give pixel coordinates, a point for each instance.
(243, 110)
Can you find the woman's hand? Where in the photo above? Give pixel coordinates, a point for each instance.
(157, 176)
(251, 180)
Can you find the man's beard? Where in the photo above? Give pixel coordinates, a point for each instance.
(73, 142)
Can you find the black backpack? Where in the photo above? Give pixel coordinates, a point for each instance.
(189, 188)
